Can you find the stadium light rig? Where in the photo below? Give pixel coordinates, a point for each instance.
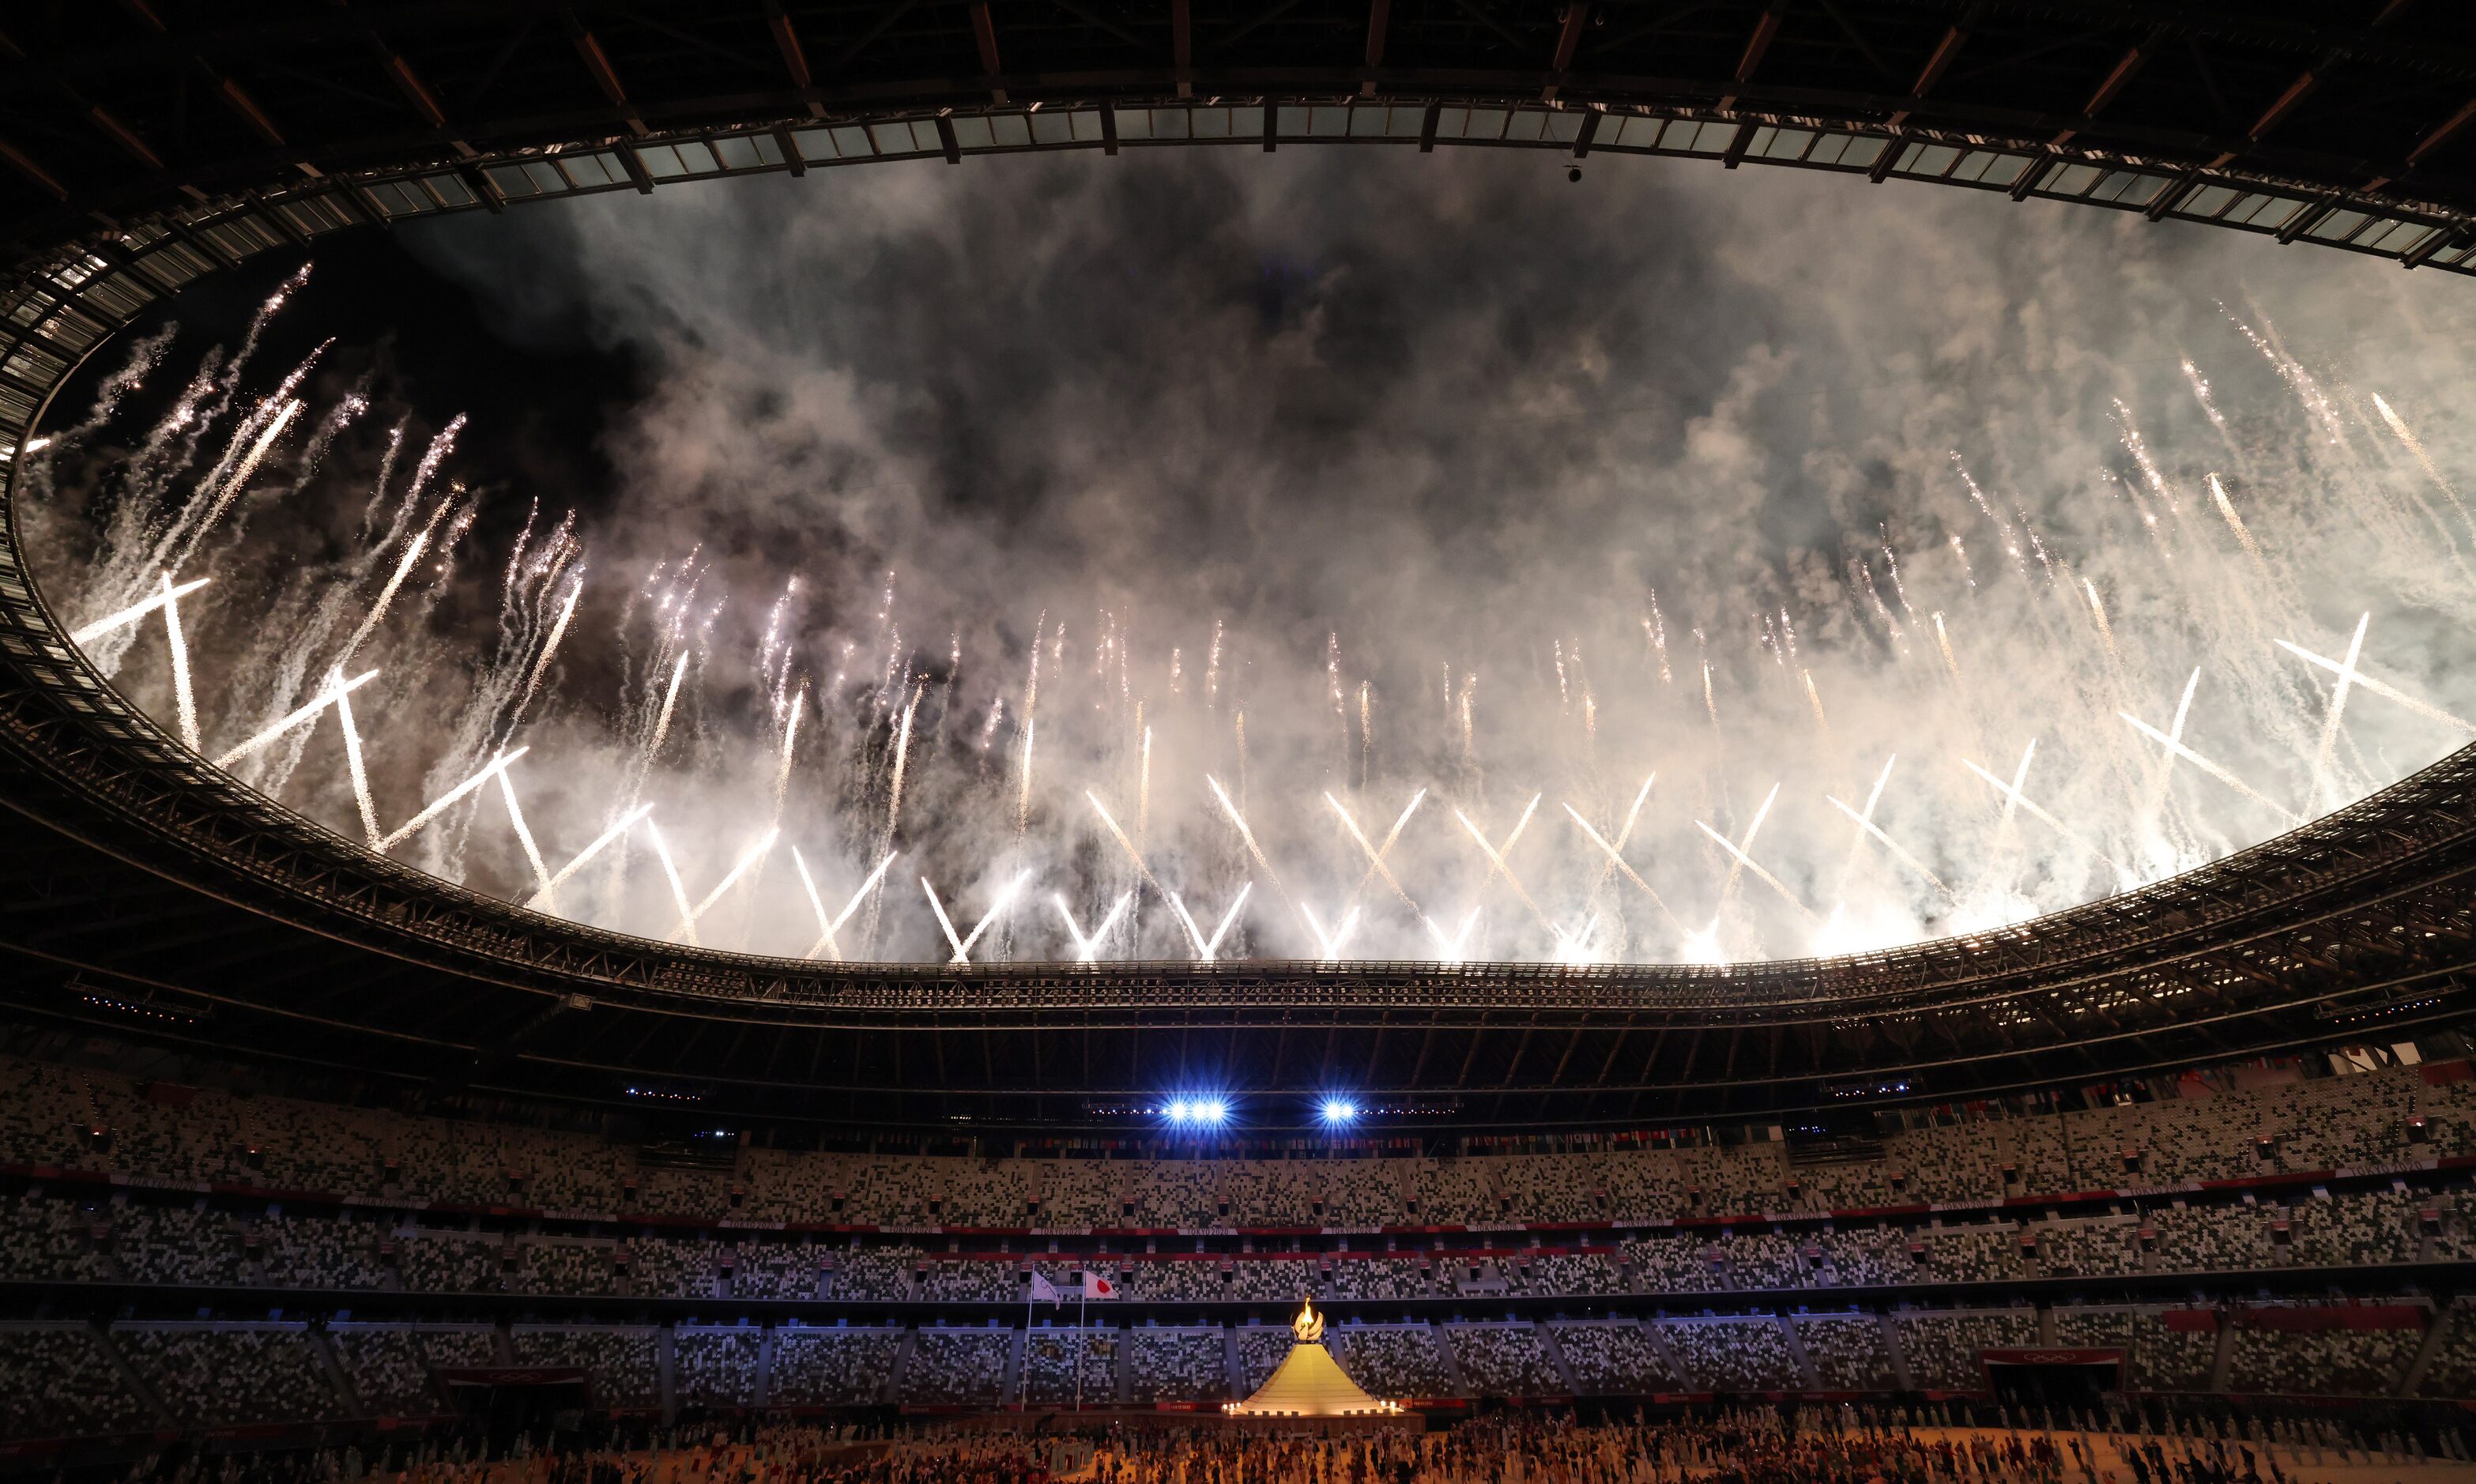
(1339, 1112)
(1197, 1112)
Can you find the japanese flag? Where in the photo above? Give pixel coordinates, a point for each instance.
(1096, 1286)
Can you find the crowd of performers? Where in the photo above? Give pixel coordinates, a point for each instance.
(1750, 1446)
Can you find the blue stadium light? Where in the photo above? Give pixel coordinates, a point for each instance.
(1195, 1111)
(1340, 1111)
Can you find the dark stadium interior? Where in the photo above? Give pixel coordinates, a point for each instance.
(302, 1148)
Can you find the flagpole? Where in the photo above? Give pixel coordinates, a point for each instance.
(1080, 1300)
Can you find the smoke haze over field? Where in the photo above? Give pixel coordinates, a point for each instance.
(1356, 473)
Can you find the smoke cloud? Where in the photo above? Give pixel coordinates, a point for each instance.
(1729, 565)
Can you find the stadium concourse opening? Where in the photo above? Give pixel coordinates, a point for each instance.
(1009, 741)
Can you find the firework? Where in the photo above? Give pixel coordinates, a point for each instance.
(448, 799)
(2330, 720)
(1747, 862)
(1087, 945)
(670, 697)
(748, 858)
(2235, 521)
(827, 927)
(1450, 950)
(962, 945)
(1615, 858)
(2398, 425)
(2013, 796)
(1867, 826)
(316, 704)
(1376, 865)
(404, 566)
(353, 759)
(1132, 853)
(1496, 858)
(134, 613)
(1206, 948)
(2359, 678)
(523, 835)
(541, 898)
(1328, 945)
(671, 875)
(184, 703)
(1248, 836)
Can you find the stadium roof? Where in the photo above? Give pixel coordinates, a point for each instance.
(144, 890)
(2339, 121)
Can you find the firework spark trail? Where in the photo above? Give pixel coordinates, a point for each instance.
(525, 837)
(1765, 877)
(738, 868)
(2414, 445)
(1495, 860)
(601, 842)
(1449, 951)
(1625, 833)
(1144, 788)
(1206, 948)
(1573, 948)
(1821, 723)
(1132, 853)
(316, 705)
(1741, 860)
(184, 703)
(671, 873)
(1617, 859)
(2235, 523)
(791, 736)
(1655, 629)
(2012, 794)
(902, 758)
(1088, 945)
(2330, 721)
(353, 764)
(548, 651)
(2213, 769)
(2208, 405)
(1866, 816)
(2105, 630)
(962, 945)
(1375, 855)
(1942, 641)
(670, 697)
(1248, 836)
(2359, 678)
(1866, 827)
(827, 927)
(448, 799)
(1031, 701)
(2155, 808)
(404, 566)
(183, 543)
(1328, 945)
(133, 614)
(2002, 528)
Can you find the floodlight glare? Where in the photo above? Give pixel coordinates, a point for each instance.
(1178, 1111)
(1212, 1110)
(1339, 1110)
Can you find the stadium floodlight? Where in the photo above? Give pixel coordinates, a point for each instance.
(1340, 1111)
(1211, 1110)
(1179, 1110)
